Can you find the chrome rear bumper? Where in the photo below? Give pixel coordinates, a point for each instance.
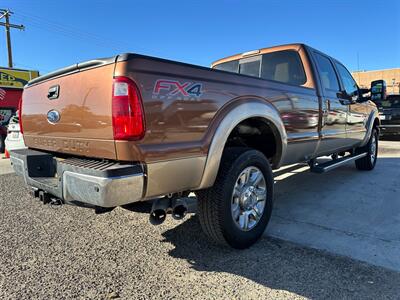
(95, 183)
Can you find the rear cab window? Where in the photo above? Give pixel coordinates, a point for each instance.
(327, 73)
(282, 66)
(230, 66)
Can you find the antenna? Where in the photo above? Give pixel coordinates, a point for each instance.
(358, 67)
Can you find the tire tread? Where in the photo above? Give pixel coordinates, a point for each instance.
(210, 201)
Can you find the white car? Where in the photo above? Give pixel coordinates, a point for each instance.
(14, 139)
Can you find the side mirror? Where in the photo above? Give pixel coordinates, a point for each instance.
(378, 90)
(363, 95)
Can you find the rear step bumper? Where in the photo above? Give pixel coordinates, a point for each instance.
(80, 181)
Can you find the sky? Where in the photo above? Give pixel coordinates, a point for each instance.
(363, 34)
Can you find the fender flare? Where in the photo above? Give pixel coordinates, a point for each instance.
(250, 108)
(374, 115)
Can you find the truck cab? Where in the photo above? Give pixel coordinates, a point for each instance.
(344, 111)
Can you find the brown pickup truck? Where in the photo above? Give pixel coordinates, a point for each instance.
(131, 128)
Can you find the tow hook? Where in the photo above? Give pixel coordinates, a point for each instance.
(45, 197)
(34, 192)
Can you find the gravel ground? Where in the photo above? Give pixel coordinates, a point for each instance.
(69, 252)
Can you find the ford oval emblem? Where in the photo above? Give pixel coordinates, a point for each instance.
(53, 116)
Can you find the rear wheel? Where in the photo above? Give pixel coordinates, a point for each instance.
(237, 209)
(368, 162)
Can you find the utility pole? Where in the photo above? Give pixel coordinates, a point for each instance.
(6, 13)
(393, 84)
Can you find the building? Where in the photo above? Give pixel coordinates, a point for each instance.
(12, 82)
(391, 76)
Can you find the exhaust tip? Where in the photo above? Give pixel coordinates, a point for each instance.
(179, 212)
(157, 216)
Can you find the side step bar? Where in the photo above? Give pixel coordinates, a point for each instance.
(333, 164)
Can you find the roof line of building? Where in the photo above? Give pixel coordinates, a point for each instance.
(376, 70)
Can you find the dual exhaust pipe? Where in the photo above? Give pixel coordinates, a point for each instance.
(161, 207)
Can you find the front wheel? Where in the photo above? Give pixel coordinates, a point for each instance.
(368, 162)
(237, 209)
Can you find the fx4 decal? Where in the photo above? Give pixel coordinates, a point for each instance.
(164, 88)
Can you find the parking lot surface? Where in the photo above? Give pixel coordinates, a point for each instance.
(69, 252)
(345, 211)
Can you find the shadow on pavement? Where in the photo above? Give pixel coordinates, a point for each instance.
(139, 207)
(285, 266)
(390, 138)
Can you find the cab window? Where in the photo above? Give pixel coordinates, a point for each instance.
(283, 66)
(250, 66)
(230, 66)
(327, 73)
(350, 85)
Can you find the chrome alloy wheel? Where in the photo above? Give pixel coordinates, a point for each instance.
(248, 198)
(373, 149)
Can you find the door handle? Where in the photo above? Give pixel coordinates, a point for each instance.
(347, 101)
(53, 92)
(344, 101)
(328, 104)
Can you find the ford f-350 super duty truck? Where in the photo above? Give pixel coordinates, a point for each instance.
(131, 128)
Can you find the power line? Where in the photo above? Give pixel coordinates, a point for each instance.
(71, 35)
(71, 32)
(18, 64)
(74, 33)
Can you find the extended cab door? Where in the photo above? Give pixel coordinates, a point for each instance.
(333, 126)
(357, 111)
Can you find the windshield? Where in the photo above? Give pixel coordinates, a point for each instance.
(390, 102)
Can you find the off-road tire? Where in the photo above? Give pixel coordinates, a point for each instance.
(366, 163)
(214, 204)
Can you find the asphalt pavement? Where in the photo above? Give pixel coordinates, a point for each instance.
(69, 252)
(345, 211)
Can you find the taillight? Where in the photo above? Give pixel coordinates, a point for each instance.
(20, 115)
(127, 110)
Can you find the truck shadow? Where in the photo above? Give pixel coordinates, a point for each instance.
(282, 265)
(392, 138)
(278, 265)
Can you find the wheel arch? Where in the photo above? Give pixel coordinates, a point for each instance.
(237, 113)
(372, 122)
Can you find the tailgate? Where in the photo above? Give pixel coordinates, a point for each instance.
(69, 111)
